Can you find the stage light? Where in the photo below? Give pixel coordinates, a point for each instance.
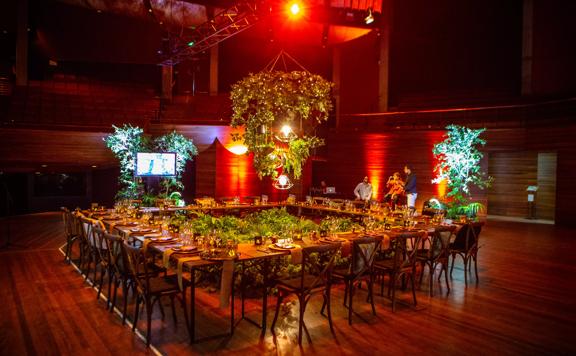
(286, 130)
(238, 149)
(294, 9)
(370, 18)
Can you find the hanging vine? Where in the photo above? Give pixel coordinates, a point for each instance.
(263, 101)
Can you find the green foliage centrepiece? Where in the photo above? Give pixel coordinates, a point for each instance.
(458, 162)
(128, 140)
(264, 101)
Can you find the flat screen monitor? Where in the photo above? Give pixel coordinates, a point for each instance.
(156, 164)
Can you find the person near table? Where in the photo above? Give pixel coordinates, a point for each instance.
(410, 188)
(323, 187)
(395, 186)
(363, 190)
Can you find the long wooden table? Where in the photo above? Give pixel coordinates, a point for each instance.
(247, 253)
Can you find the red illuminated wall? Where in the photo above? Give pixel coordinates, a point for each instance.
(353, 155)
(221, 173)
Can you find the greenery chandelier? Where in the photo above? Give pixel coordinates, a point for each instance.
(279, 111)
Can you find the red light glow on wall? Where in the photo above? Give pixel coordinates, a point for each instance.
(375, 157)
(434, 137)
(235, 174)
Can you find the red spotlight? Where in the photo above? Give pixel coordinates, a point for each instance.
(294, 9)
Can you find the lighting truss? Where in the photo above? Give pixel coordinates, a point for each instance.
(222, 26)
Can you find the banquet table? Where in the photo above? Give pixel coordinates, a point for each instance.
(247, 253)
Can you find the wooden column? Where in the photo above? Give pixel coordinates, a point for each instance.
(167, 82)
(214, 70)
(527, 46)
(22, 44)
(384, 57)
(336, 78)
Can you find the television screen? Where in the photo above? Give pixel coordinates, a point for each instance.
(155, 164)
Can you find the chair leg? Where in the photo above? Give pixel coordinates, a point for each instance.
(136, 312)
(350, 297)
(302, 300)
(110, 277)
(101, 282)
(393, 287)
(371, 293)
(446, 277)
(465, 271)
(96, 268)
(278, 301)
(148, 320)
(452, 267)
(116, 282)
(173, 311)
(125, 296)
(432, 270)
(89, 262)
(423, 264)
(328, 289)
(413, 288)
(345, 293)
(475, 257)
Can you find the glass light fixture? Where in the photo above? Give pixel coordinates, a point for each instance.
(283, 182)
(286, 134)
(370, 18)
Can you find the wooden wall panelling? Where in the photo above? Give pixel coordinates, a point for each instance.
(513, 172)
(352, 155)
(545, 203)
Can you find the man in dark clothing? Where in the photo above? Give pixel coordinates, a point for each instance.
(410, 188)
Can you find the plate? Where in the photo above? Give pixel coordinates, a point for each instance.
(161, 239)
(185, 248)
(137, 229)
(282, 247)
(329, 239)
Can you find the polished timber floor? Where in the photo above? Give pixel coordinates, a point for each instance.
(524, 303)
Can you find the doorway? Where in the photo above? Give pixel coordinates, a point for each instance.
(513, 173)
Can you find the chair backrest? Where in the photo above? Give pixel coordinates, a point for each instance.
(403, 256)
(87, 225)
(136, 265)
(363, 254)
(114, 248)
(67, 219)
(440, 240)
(467, 237)
(100, 243)
(318, 261)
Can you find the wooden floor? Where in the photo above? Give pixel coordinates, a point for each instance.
(525, 303)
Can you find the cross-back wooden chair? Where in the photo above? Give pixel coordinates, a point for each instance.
(150, 289)
(360, 269)
(437, 253)
(466, 246)
(402, 264)
(89, 239)
(314, 278)
(70, 232)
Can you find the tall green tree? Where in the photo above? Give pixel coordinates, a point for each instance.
(458, 162)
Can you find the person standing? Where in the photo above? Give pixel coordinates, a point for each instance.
(396, 188)
(363, 190)
(410, 188)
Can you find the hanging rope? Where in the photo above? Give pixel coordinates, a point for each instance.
(272, 65)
